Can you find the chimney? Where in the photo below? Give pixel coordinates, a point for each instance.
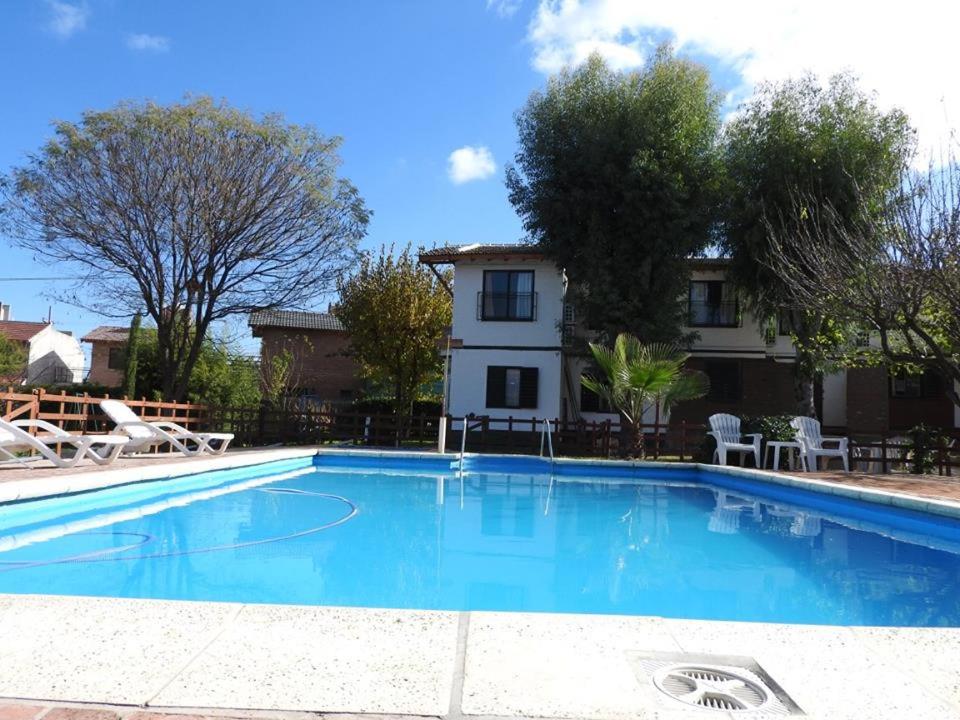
(4, 312)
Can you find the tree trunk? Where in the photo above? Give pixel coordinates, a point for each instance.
(637, 441)
(803, 391)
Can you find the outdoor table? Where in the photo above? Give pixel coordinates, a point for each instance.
(789, 445)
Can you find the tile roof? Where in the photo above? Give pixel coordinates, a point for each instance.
(107, 333)
(20, 331)
(295, 319)
(450, 253)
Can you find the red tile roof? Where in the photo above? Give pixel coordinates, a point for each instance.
(295, 319)
(107, 333)
(452, 253)
(20, 331)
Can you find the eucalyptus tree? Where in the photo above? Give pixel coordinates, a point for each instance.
(192, 212)
(616, 180)
(833, 146)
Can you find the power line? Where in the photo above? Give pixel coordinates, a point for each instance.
(26, 279)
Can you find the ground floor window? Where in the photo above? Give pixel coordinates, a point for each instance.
(512, 387)
(590, 401)
(725, 380)
(928, 384)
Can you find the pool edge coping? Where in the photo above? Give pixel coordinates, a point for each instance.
(48, 486)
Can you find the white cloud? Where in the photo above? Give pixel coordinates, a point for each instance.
(504, 8)
(67, 19)
(906, 56)
(152, 43)
(470, 163)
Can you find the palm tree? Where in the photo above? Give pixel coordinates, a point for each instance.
(636, 377)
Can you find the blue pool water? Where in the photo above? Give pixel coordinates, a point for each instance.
(407, 533)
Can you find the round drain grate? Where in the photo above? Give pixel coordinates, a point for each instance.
(713, 688)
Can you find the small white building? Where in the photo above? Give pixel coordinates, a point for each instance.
(510, 354)
(53, 357)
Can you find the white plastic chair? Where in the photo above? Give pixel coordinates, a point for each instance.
(144, 435)
(14, 438)
(725, 429)
(811, 444)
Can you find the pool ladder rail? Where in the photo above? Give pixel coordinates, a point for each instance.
(546, 439)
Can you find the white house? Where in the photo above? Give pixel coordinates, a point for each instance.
(53, 357)
(510, 356)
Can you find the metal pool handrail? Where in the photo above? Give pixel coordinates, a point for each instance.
(546, 431)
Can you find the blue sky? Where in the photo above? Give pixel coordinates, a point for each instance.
(409, 83)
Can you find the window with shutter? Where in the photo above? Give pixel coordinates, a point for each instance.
(512, 387)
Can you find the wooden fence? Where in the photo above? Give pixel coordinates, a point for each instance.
(81, 413)
(308, 426)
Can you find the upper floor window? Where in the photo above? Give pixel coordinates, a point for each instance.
(507, 295)
(713, 303)
(117, 358)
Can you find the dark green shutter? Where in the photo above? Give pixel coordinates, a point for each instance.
(529, 379)
(496, 387)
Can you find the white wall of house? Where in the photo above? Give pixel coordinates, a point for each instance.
(549, 286)
(747, 339)
(54, 357)
(468, 382)
(505, 343)
(835, 399)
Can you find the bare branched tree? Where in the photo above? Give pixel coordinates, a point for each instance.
(896, 270)
(191, 212)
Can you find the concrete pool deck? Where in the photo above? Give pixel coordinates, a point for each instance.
(197, 657)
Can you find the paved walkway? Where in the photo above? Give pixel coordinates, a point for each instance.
(929, 486)
(191, 657)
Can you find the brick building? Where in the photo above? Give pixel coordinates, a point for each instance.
(108, 354)
(322, 370)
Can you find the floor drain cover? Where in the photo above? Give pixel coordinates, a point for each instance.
(714, 688)
(728, 683)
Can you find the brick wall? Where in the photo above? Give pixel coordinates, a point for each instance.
(766, 389)
(868, 400)
(100, 371)
(321, 365)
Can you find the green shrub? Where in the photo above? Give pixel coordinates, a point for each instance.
(923, 445)
(772, 427)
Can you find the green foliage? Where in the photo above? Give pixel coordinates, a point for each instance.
(635, 377)
(224, 377)
(221, 376)
(795, 146)
(396, 313)
(277, 377)
(924, 443)
(13, 360)
(616, 180)
(772, 427)
(130, 369)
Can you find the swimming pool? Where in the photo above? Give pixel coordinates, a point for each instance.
(408, 532)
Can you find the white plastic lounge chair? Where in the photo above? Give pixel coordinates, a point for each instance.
(726, 431)
(102, 449)
(811, 444)
(145, 435)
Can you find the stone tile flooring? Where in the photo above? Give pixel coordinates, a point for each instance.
(928, 486)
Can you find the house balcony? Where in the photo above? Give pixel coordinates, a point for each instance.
(507, 307)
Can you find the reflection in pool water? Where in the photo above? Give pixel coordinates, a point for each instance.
(676, 547)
